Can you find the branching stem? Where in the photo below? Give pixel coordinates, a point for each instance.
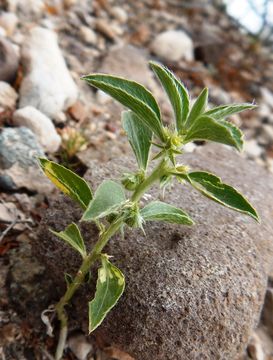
(90, 259)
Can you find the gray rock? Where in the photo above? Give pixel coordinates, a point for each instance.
(9, 61)
(18, 165)
(173, 45)
(47, 85)
(8, 96)
(208, 43)
(191, 293)
(131, 62)
(40, 124)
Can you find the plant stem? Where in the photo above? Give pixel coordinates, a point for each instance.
(158, 172)
(89, 260)
(78, 281)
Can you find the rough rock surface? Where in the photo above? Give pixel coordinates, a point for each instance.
(129, 62)
(18, 166)
(47, 85)
(40, 124)
(192, 293)
(173, 45)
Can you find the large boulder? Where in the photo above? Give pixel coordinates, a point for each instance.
(191, 292)
(47, 84)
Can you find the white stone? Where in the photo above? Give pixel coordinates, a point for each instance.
(103, 98)
(120, 14)
(8, 96)
(8, 21)
(173, 45)
(79, 346)
(40, 125)
(267, 96)
(47, 85)
(255, 348)
(252, 149)
(3, 32)
(60, 118)
(264, 110)
(190, 147)
(88, 35)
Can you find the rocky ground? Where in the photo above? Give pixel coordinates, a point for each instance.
(45, 46)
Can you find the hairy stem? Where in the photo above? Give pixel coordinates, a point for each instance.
(158, 172)
(89, 260)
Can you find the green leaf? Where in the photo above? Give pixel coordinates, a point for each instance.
(68, 279)
(176, 92)
(223, 111)
(236, 134)
(107, 198)
(161, 211)
(206, 128)
(198, 107)
(139, 136)
(212, 187)
(132, 95)
(73, 237)
(110, 286)
(67, 181)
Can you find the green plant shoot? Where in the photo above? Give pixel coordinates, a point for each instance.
(115, 206)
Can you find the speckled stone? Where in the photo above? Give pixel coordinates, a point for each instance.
(191, 292)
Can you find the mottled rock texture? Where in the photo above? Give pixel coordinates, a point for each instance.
(192, 292)
(19, 169)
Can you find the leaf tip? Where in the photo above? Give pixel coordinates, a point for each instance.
(254, 214)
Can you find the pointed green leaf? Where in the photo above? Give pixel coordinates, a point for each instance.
(237, 134)
(223, 111)
(198, 107)
(107, 198)
(110, 286)
(73, 237)
(206, 128)
(176, 92)
(139, 136)
(67, 181)
(132, 95)
(160, 211)
(212, 187)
